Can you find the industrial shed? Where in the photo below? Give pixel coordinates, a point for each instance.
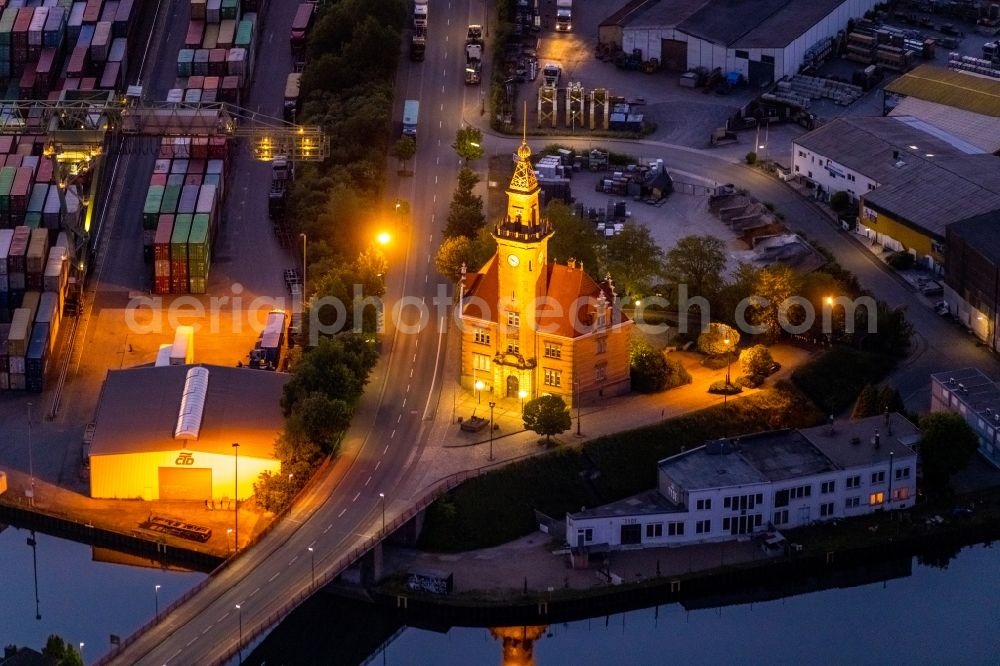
(763, 40)
(167, 433)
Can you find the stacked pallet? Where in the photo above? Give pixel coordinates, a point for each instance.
(814, 87)
(975, 65)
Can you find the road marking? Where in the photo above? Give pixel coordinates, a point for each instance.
(411, 377)
(442, 107)
(393, 435)
(414, 358)
(437, 358)
(191, 641)
(206, 630)
(404, 402)
(439, 143)
(425, 279)
(341, 514)
(276, 574)
(356, 497)
(377, 463)
(368, 481)
(407, 388)
(437, 160)
(327, 529)
(428, 258)
(435, 180)
(430, 239)
(448, 22)
(399, 419)
(256, 590)
(435, 200)
(434, 215)
(385, 450)
(292, 561)
(222, 618)
(171, 657)
(442, 88)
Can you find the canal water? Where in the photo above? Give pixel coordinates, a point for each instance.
(80, 599)
(933, 615)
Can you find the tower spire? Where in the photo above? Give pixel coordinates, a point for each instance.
(524, 124)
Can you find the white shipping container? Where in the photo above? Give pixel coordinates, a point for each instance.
(206, 199)
(17, 365)
(119, 47)
(236, 62)
(72, 215)
(213, 11)
(37, 26)
(175, 95)
(50, 214)
(6, 236)
(17, 382)
(182, 351)
(76, 15)
(163, 355)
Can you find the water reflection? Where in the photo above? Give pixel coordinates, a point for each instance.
(518, 644)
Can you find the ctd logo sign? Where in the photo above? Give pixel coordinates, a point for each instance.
(184, 458)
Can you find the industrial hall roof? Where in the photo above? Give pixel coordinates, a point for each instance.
(139, 408)
(926, 177)
(735, 23)
(980, 233)
(977, 94)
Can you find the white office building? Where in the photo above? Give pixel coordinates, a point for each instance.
(976, 398)
(771, 480)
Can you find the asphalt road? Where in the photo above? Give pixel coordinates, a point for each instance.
(394, 419)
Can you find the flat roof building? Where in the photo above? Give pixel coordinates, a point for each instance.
(168, 432)
(971, 394)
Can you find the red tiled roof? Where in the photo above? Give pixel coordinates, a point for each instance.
(571, 288)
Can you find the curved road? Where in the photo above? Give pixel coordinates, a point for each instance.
(393, 421)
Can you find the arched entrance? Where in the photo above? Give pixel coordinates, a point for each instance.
(513, 386)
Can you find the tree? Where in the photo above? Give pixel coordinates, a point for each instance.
(866, 404)
(337, 367)
(322, 419)
(465, 215)
(775, 283)
(751, 158)
(61, 652)
(946, 447)
(404, 150)
(718, 338)
(572, 238)
(633, 259)
(547, 415)
(840, 201)
(756, 361)
(648, 368)
(458, 250)
(468, 143)
(699, 263)
(889, 400)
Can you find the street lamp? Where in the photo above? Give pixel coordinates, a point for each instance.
(479, 391)
(156, 592)
(576, 385)
(239, 645)
(303, 268)
(236, 495)
(81, 652)
(229, 536)
(522, 394)
(382, 498)
(729, 361)
(31, 464)
(383, 238)
(312, 556)
(492, 405)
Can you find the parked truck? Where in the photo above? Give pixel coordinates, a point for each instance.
(564, 15)
(291, 107)
(282, 174)
(411, 114)
(418, 44)
(420, 14)
(266, 354)
(474, 54)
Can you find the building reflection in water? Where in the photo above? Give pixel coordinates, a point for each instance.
(518, 644)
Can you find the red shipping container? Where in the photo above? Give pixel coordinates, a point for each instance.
(195, 81)
(44, 174)
(27, 83)
(109, 10)
(45, 71)
(19, 33)
(195, 30)
(161, 284)
(196, 166)
(6, 144)
(15, 160)
(92, 12)
(199, 148)
(161, 243)
(77, 65)
(110, 79)
(194, 179)
(217, 148)
(20, 190)
(211, 83)
(88, 83)
(158, 179)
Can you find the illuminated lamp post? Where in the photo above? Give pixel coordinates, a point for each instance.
(236, 496)
(479, 391)
(729, 362)
(492, 405)
(522, 394)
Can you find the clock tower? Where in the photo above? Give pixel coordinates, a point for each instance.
(522, 237)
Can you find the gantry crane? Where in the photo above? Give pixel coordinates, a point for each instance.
(83, 127)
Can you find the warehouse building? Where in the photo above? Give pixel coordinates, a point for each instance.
(763, 40)
(912, 179)
(972, 277)
(962, 104)
(167, 433)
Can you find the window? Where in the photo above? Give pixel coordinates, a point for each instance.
(871, 186)
(875, 499)
(704, 504)
(852, 502)
(601, 372)
(902, 473)
(796, 168)
(513, 346)
(482, 336)
(810, 174)
(780, 517)
(726, 523)
(745, 55)
(481, 362)
(703, 526)
(802, 153)
(513, 318)
(900, 494)
(742, 502)
(853, 482)
(826, 509)
(767, 60)
(553, 377)
(602, 344)
(587, 534)
(827, 487)
(878, 477)
(781, 498)
(851, 177)
(654, 530)
(552, 350)
(675, 529)
(795, 493)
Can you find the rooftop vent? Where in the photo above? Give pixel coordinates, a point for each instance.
(192, 404)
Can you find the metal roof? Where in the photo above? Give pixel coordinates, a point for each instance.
(851, 443)
(192, 404)
(976, 129)
(138, 411)
(961, 90)
(981, 234)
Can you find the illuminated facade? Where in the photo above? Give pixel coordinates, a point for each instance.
(532, 327)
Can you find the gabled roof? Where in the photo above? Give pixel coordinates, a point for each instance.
(569, 286)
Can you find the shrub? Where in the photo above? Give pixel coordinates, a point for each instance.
(648, 367)
(756, 360)
(840, 201)
(722, 388)
(751, 158)
(749, 381)
(901, 261)
(835, 379)
(677, 374)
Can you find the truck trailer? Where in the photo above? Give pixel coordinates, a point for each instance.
(564, 15)
(266, 354)
(411, 113)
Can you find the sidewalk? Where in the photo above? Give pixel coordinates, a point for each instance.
(450, 450)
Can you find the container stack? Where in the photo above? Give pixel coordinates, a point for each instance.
(217, 59)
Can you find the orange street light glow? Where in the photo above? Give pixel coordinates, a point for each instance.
(383, 238)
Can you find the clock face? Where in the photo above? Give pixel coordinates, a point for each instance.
(512, 259)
